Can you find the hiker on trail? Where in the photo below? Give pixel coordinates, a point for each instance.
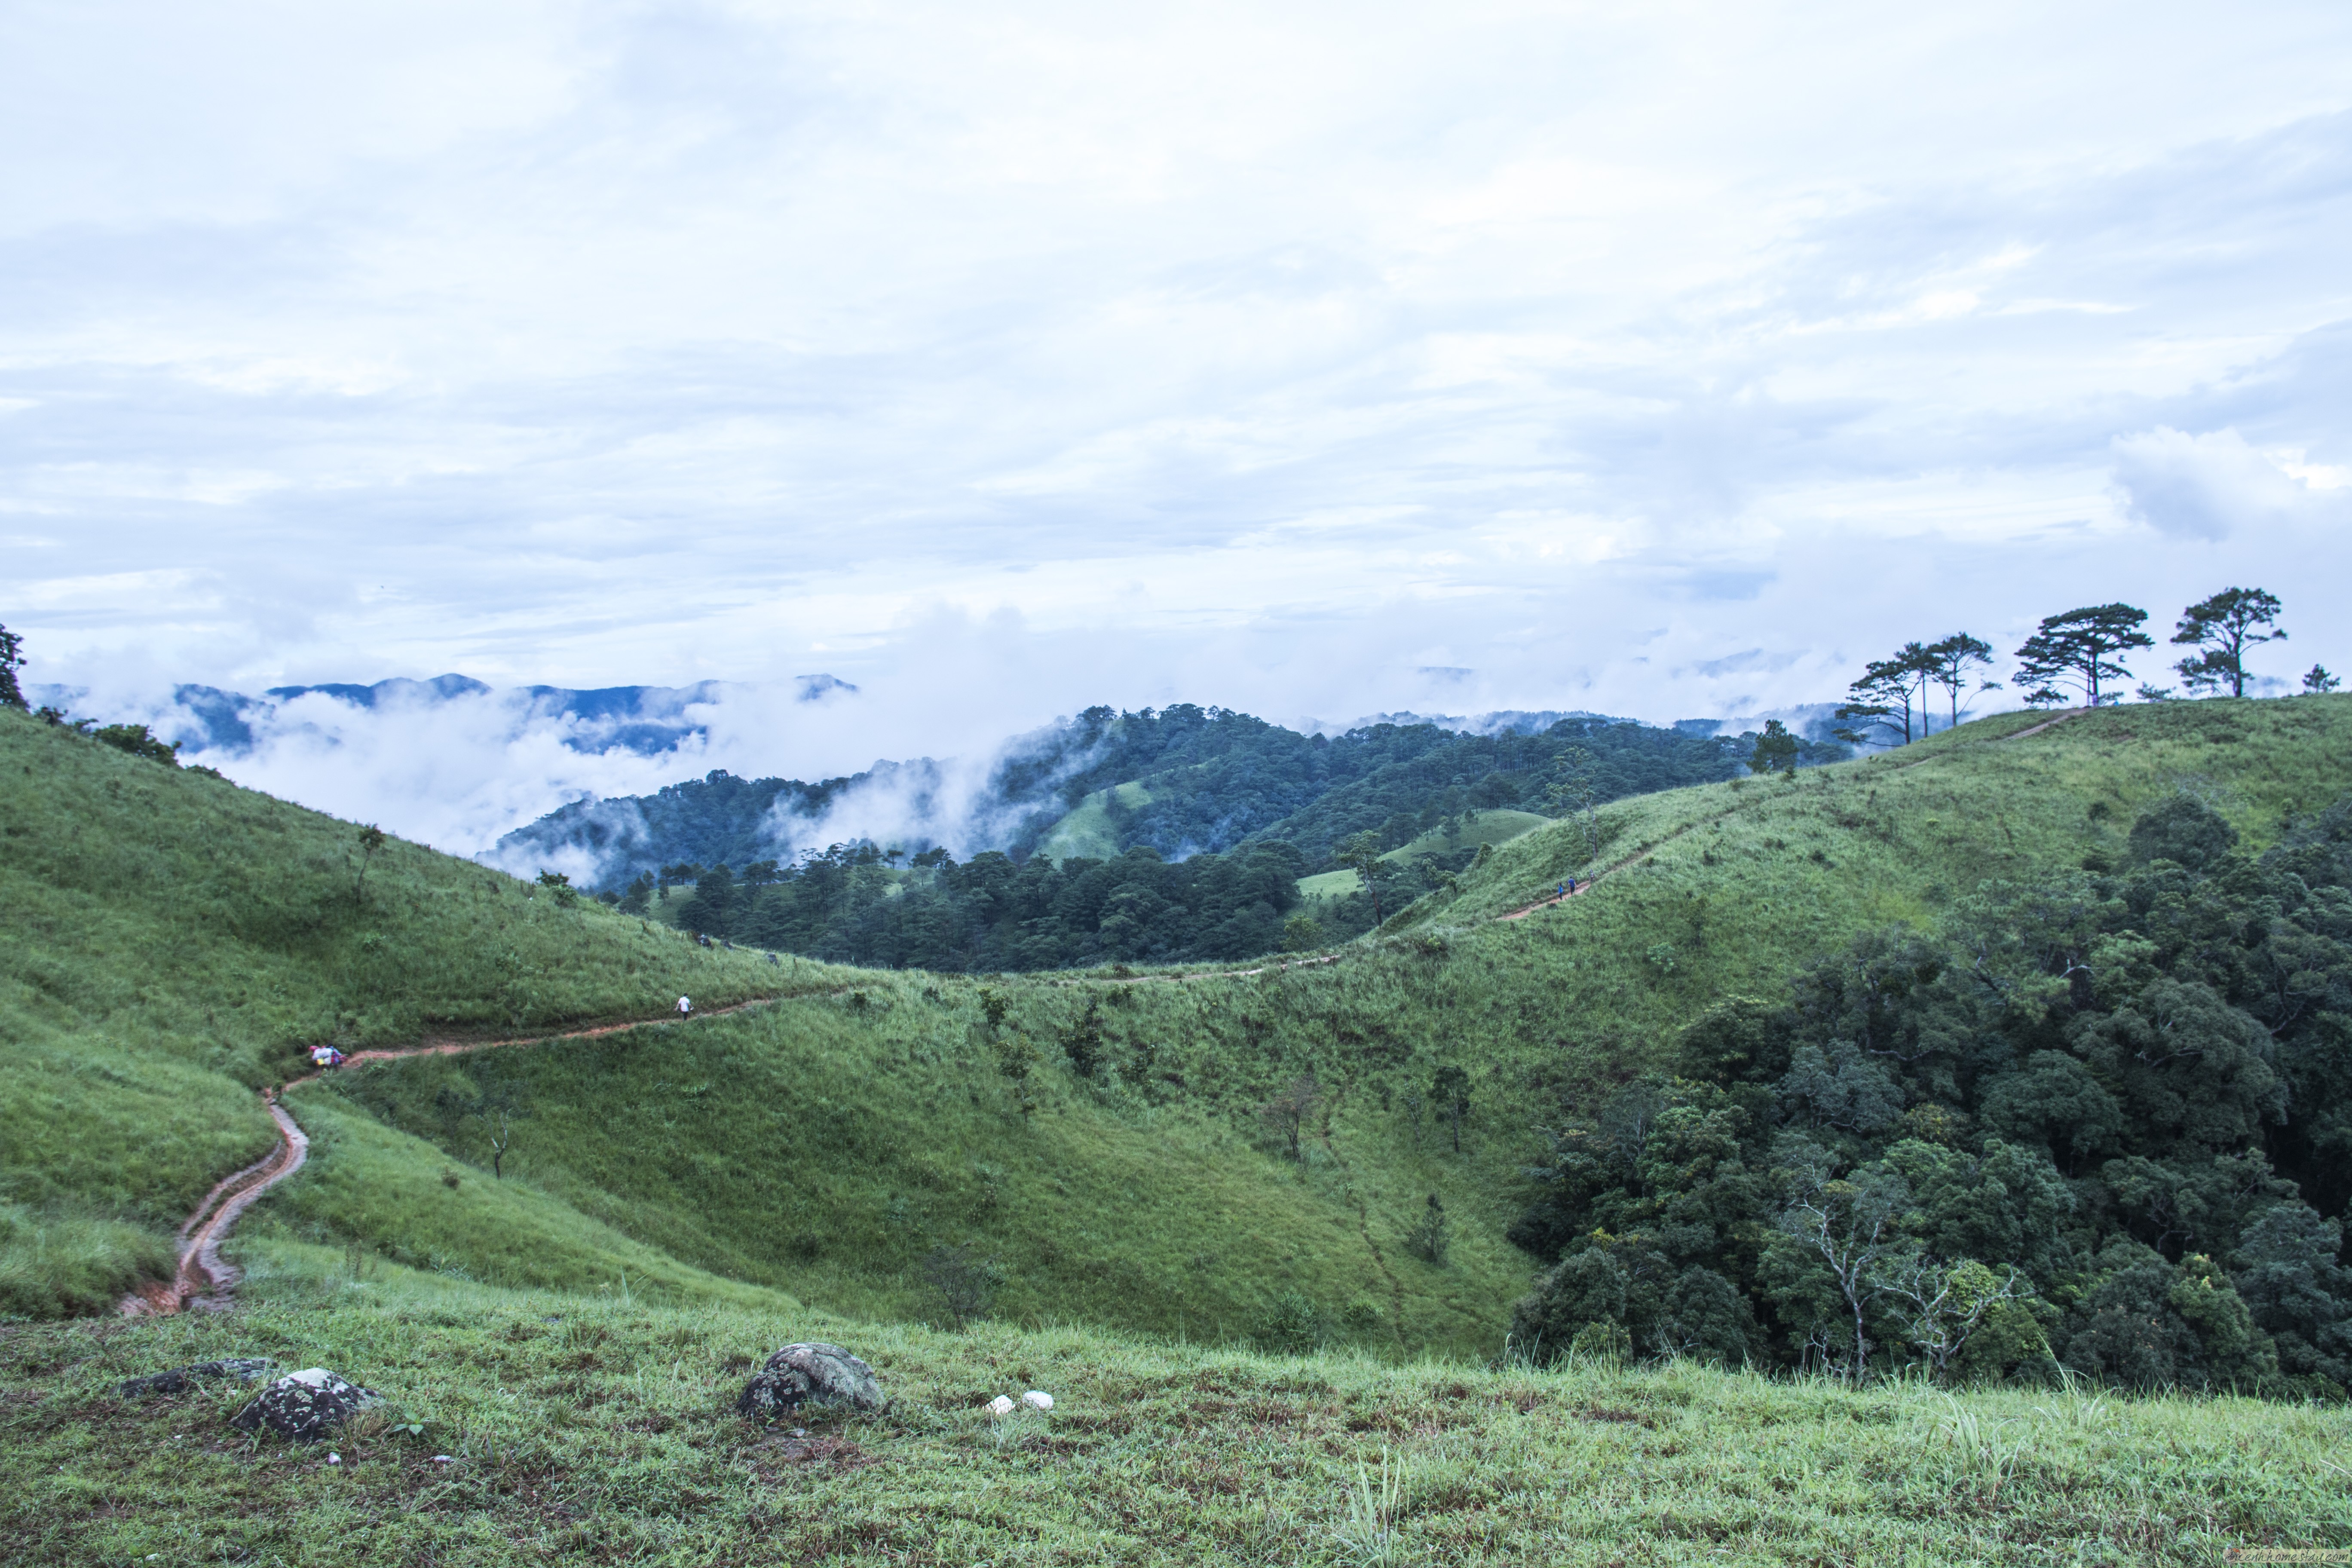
(1571, 887)
(1560, 891)
(326, 1057)
(685, 1007)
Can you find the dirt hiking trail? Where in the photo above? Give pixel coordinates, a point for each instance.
(205, 1279)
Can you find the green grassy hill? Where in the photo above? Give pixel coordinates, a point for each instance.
(182, 942)
(692, 1193)
(174, 942)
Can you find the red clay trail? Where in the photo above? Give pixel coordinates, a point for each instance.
(204, 1279)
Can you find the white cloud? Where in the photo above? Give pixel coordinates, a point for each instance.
(2206, 487)
(1009, 359)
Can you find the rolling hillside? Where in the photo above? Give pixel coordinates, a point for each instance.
(182, 941)
(1098, 1147)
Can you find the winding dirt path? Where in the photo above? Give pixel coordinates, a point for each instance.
(466, 1048)
(2036, 730)
(1581, 888)
(204, 1279)
(1207, 974)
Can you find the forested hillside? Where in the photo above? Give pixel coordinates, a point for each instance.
(1217, 776)
(1602, 759)
(1089, 813)
(2105, 1116)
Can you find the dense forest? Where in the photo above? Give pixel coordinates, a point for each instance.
(2106, 1125)
(853, 905)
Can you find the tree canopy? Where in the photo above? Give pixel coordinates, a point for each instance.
(2105, 1123)
(990, 913)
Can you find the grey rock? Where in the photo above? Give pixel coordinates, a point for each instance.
(816, 1374)
(180, 1379)
(305, 1406)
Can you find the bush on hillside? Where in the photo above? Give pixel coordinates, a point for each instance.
(1292, 1324)
(136, 740)
(964, 1279)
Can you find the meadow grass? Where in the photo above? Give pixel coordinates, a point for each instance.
(600, 1428)
(65, 1264)
(826, 1147)
(1477, 828)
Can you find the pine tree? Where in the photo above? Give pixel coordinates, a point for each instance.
(12, 657)
(2078, 648)
(1946, 664)
(1776, 750)
(2222, 629)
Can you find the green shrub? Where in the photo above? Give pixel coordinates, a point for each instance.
(1292, 1324)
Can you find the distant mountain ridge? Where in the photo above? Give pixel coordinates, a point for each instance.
(645, 720)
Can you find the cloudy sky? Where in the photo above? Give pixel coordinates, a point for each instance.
(1661, 359)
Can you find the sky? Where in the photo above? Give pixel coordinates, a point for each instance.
(1664, 360)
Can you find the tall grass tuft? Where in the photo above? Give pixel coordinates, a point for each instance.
(1376, 1505)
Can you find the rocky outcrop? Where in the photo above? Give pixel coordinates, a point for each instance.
(305, 1406)
(180, 1379)
(817, 1375)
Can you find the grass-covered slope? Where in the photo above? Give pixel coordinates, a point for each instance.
(173, 941)
(600, 1430)
(827, 1148)
(1151, 1192)
(699, 1193)
(186, 938)
(180, 941)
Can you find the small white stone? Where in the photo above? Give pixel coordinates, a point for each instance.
(1001, 1405)
(1037, 1399)
(334, 1458)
